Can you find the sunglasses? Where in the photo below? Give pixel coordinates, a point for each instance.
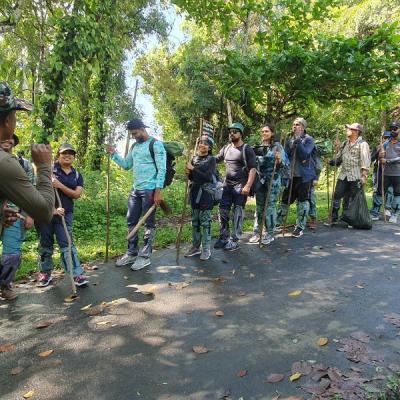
(68, 152)
(394, 128)
(234, 132)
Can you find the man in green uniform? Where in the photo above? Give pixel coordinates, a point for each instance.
(15, 185)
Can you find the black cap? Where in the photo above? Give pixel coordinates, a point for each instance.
(8, 102)
(135, 124)
(395, 124)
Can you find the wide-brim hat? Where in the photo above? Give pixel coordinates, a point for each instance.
(355, 126)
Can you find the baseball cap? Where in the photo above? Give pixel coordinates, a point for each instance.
(135, 124)
(387, 134)
(238, 126)
(355, 126)
(9, 102)
(395, 124)
(66, 147)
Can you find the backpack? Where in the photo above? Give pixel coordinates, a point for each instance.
(173, 150)
(215, 189)
(320, 149)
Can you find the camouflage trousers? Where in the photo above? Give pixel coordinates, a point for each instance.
(201, 228)
(312, 213)
(270, 213)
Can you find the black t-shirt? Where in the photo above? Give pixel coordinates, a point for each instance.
(235, 166)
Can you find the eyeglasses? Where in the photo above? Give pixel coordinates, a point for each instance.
(234, 132)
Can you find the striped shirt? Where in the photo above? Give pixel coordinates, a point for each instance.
(355, 157)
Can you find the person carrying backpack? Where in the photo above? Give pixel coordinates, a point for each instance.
(268, 154)
(240, 163)
(300, 151)
(69, 183)
(202, 174)
(13, 236)
(147, 159)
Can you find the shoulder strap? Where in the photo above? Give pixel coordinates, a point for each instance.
(151, 149)
(244, 154)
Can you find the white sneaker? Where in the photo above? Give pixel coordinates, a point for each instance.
(393, 219)
(126, 259)
(374, 218)
(255, 238)
(140, 263)
(388, 213)
(267, 239)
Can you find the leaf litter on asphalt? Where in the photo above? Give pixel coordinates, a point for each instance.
(46, 353)
(6, 347)
(200, 349)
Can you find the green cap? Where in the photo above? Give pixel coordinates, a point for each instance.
(237, 125)
(8, 102)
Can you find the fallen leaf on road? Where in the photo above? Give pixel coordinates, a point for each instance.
(182, 285)
(360, 286)
(29, 394)
(43, 324)
(4, 348)
(339, 245)
(242, 373)
(233, 272)
(86, 307)
(295, 377)
(361, 336)
(46, 353)
(322, 341)
(102, 323)
(219, 314)
(16, 370)
(125, 277)
(220, 279)
(275, 378)
(200, 349)
(241, 294)
(295, 293)
(96, 310)
(71, 299)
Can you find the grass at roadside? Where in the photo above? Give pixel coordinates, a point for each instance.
(90, 219)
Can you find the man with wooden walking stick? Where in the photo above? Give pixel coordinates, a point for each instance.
(299, 150)
(147, 159)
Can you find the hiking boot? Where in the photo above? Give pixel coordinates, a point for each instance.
(140, 263)
(267, 239)
(80, 280)
(231, 245)
(297, 232)
(220, 243)
(44, 279)
(193, 251)
(205, 254)
(255, 238)
(313, 224)
(126, 259)
(393, 219)
(8, 294)
(388, 213)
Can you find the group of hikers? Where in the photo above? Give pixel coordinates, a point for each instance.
(276, 174)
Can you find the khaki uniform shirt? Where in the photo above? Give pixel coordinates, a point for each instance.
(16, 187)
(355, 157)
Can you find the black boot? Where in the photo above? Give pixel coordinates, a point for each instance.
(335, 215)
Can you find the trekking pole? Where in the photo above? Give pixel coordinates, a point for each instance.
(290, 191)
(380, 163)
(334, 185)
(327, 187)
(267, 198)
(69, 241)
(182, 221)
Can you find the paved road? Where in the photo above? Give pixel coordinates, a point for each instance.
(348, 280)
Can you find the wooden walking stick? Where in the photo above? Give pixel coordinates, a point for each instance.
(327, 187)
(290, 191)
(334, 183)
(382, 165)
(185, 200)
(69, 261)
(267, 198)
(163, 205)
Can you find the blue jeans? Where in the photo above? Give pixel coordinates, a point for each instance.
(47, 233)
(139, 202)
(12, 239)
